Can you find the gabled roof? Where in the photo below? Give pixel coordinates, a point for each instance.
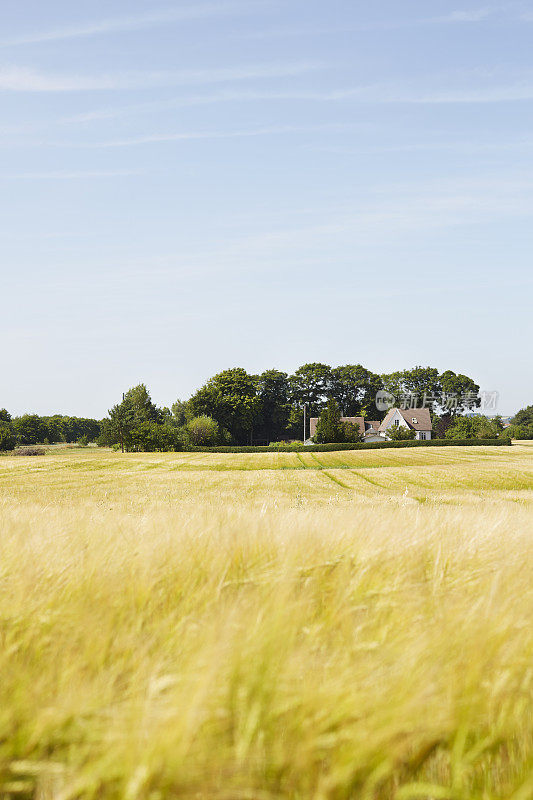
(359, 421)
(419, 419)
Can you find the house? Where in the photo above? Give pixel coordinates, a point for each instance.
(372, 433)
(417, 419)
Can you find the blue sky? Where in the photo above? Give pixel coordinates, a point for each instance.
(189, 186)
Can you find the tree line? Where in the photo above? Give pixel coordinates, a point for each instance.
(235, 407)
(34, 429)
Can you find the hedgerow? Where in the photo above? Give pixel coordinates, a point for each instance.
(327, 448)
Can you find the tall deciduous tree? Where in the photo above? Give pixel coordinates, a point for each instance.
(311, 385)
(329, 426)
(524, 416)
(7, 437)
(274, 396)
(422, 381)
(354, 388)
(458, 388)
(231, 398)
(126, 418)
(30, 429)
(331, 429)
(181, 413)
(138, 400)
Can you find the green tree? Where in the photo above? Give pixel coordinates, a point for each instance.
(329, 428)
(30, 429)
(54, 427)
(399, 433)
(202, 431)
(181, 413)
(144, 410)
(124, 425)
(474, 427)
(422, 381)
(416, 387)
(231, 398)
(461, 388)
(350, 432)
(524, 416)
(392, 382)
(5, 416)
(354, 388)
(7, 437)
(518, 432)
(73, 428)
(274, 405)
(311, 385)
(447, 394)
(147, 436)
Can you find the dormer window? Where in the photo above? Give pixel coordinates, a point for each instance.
(414, 419)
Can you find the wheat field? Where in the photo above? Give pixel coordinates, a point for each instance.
(273, 625)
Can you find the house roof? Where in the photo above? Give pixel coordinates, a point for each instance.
(419, 419)
(359, 421)
(373, 424)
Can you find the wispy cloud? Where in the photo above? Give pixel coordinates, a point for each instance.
(370, 94)
(470, 15)
(227, 96)
(474, 147)
(384, 24)
(158, 138)
(73, 175)
(512, 92)
(22, 79)
(389, 211)
(132, 23)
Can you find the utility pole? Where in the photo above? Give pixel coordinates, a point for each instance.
(121, 432)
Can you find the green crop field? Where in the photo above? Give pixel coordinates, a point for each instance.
(335, 625)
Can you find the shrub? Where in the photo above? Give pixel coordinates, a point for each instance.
(202, 430)
(518, 432)
(475, 427)
(399, 433)
(350, 432)
(151, 436)
(285, 446)
(83, 441)
(30, 451)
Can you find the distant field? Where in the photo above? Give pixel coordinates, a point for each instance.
(269, 625)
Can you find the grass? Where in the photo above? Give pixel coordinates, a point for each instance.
(260, 626)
